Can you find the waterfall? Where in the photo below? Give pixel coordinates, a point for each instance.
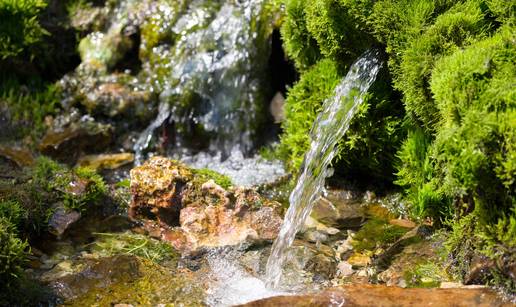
(211, 75)
(329, 127)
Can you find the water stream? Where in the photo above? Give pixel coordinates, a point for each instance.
(212, 76)
(330, 126)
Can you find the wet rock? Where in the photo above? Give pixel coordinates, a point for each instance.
(414, 236)
(359, 260)
(344, 269)
(106, 161)
(62, 219)
(313, 231)
(407, 260)
(322, 266)
(113, 98)
(156, 189)
(72, 135)
(21, 156)
(125, 280)
(192, 213)
(480, 270)
(374, 295)
(341, 209)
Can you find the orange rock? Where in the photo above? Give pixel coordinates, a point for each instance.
(376, 295)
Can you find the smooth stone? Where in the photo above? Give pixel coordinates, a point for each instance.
(377, 295)
(106, 161)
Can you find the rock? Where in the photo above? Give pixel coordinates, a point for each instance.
(62, 219)
(125, 279)
(322, 266)
(402, 223)
(480, 269)
(157, 188)
(106, 161)
(359, 260)
(375, 295)
(415, 235)
(277, 108)
(21, 156)
(313, 231)
(341, 209)
(115, 98)
(71, 136)
(193, 214)
(344, 269)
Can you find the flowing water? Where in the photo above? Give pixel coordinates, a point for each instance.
(329, 127)
(212, 75)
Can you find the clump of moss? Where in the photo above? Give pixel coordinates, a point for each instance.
(204, 174)
(110, 244)
(13, 255)
(22, 32)
(424, 275)
(376, 233)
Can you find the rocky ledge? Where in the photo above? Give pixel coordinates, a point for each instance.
(376, 295)
(192, 211)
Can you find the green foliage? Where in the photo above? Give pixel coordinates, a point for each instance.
(12, 254)
(110, 244)
(21, 31)
(30, 106)
(457, 27)
(376, 233)
(303, 103)
(205, 174)
(13, 212)
(299, 44)
(335, 30)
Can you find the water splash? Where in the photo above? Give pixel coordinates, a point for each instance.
(231, 284)
(329, 127)
(243, 171)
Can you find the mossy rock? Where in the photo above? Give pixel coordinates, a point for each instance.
(128, 280)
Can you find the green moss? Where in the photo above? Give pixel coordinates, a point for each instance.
(21, 31)
(299, 44)
(12, 254)
(30, 107)
(376, 233)
(139, 282)
(110, 244)
(335, 30)
(303, 103)
(203, 174)
(459, 26)
(424, 275)
(13, 212)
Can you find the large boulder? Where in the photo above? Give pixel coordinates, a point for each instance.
(192, 211)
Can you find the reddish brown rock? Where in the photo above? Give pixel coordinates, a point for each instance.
(156, 189)
(193, 214)
(382, 296)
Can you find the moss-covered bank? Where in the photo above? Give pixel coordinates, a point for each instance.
(440, 123)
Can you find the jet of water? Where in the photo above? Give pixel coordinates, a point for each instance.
(330, 126)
